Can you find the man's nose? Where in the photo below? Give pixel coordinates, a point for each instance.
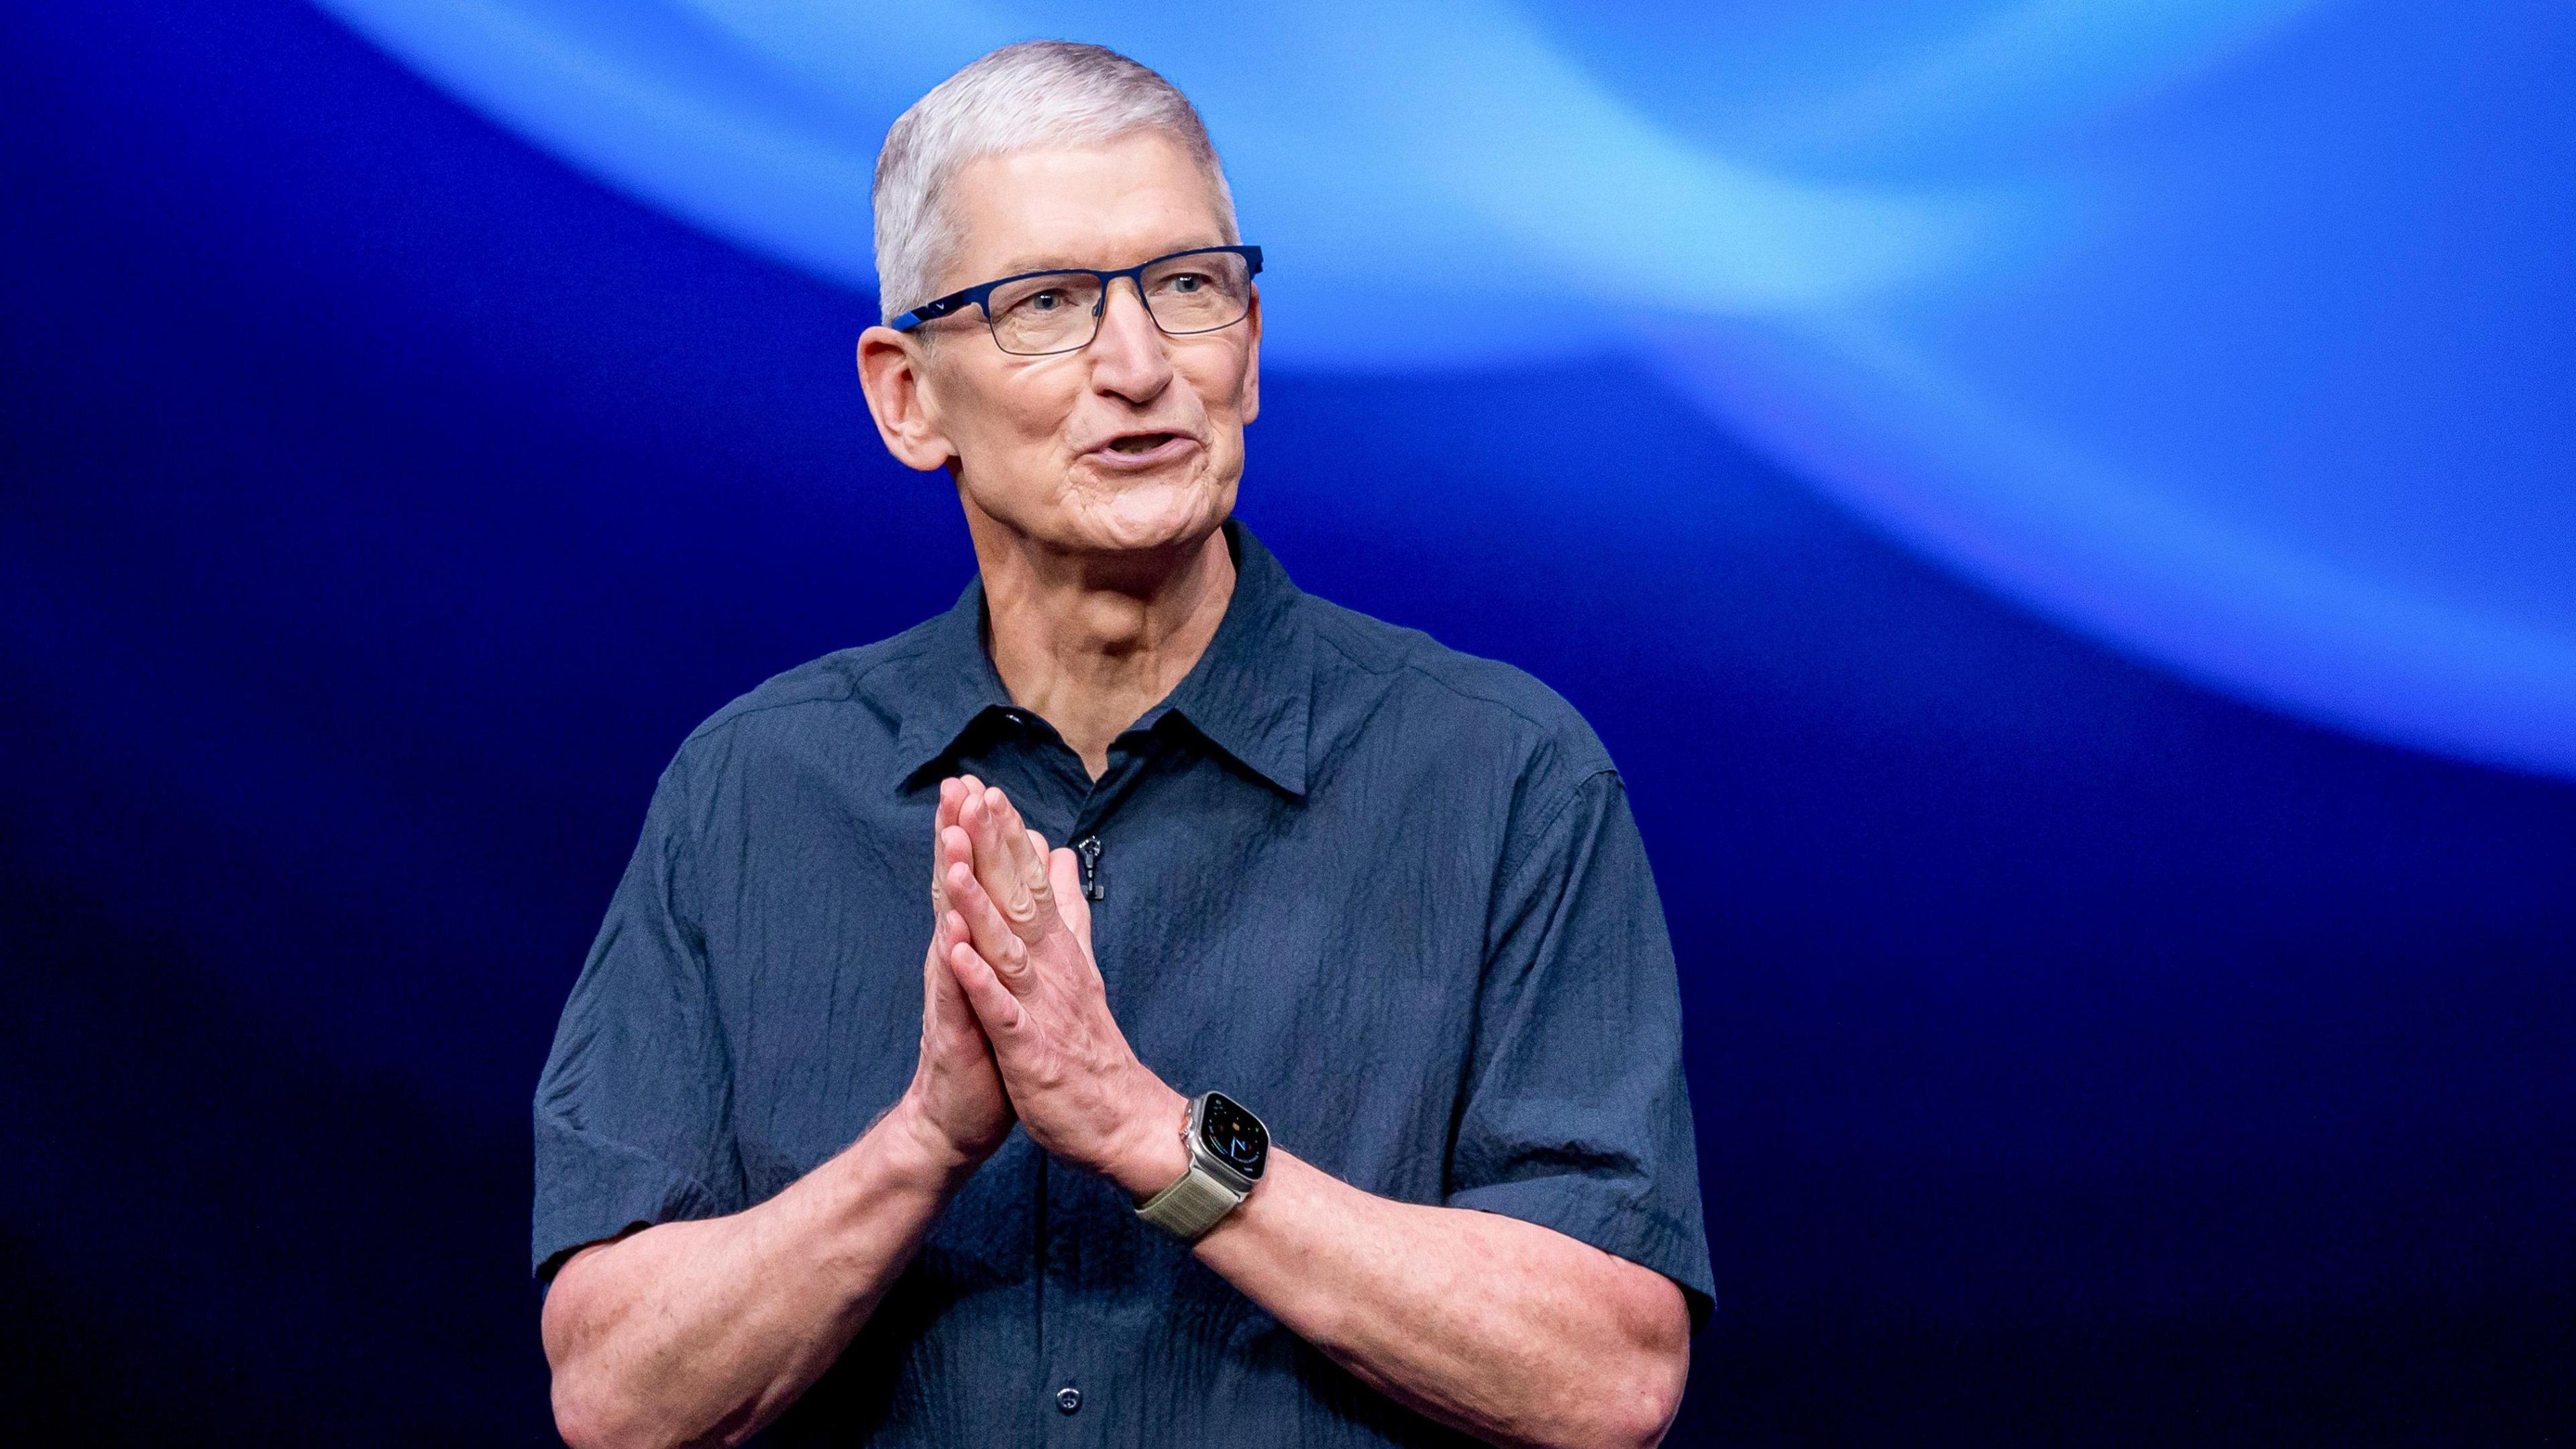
(1127, 357)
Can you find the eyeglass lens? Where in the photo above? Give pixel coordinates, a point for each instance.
(1060, 311)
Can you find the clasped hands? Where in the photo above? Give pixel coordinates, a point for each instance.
(1015, 1021)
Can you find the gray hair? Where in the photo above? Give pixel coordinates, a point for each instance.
(1034, 94)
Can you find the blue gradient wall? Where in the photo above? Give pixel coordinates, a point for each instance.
(2081, 1052)
(2220, 329)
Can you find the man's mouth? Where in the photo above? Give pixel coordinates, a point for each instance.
(1142, 450)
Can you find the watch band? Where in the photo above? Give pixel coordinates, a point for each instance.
(1191, 1206)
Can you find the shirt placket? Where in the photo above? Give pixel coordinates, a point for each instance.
(1077, 1339)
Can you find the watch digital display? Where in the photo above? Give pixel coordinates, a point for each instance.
(1234, 1136)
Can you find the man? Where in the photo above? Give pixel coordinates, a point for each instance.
(793, 1168)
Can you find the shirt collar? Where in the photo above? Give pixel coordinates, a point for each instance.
(1251, 693)
(948, 684)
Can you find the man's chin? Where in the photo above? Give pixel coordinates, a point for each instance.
(1145, 515)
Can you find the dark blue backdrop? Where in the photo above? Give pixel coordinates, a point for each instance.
(2078, 1055)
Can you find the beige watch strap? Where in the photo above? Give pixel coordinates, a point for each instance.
(1190, 1206)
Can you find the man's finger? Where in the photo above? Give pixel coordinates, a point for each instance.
(999, 1012)
(953, 794)
(946, 930)
(1025, 851)
(953, 1011)
(986, 930)
(1064, 872)
(993, 824)
(1029, 861)
(945, 1013)
(951, 791)
(1043, 866)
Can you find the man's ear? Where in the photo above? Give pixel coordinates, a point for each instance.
(1252, 359)
(893, 374)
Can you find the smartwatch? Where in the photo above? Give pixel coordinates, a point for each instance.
(1228, 1147)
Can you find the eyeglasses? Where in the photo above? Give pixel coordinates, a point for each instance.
(1037, 313)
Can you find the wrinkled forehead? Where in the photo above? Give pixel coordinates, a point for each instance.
(1105, 204)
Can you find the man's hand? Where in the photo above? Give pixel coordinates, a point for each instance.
(1511, 1331)
(955, 1107)
(1019, 947)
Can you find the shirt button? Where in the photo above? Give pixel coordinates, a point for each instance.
(1068, 1398)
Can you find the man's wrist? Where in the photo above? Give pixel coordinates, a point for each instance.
(1150, 1155)
(919, 1153)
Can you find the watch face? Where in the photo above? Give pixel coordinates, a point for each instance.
(1233, 1135)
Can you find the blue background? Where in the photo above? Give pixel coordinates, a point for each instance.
(2100, 1030)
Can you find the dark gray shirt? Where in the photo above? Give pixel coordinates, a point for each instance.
(1387, 895)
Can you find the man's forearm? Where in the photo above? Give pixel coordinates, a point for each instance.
(701, 1332)
(1508, 1330)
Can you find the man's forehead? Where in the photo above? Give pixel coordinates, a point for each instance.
(1111, 204)
(1091, 259)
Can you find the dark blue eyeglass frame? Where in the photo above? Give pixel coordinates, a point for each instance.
(979, 295)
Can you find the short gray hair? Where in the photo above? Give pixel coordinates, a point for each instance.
(1021, 97)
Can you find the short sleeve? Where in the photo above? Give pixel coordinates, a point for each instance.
(1575, 1116)
(634, 1109)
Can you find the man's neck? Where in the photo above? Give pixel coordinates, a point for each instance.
(1091, 642)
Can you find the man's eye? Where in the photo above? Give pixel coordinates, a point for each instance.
(1046, 301)
(1187, 282)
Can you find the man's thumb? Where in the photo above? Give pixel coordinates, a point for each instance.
(1064, 877)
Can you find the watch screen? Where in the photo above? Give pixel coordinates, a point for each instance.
(1234, 1135)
